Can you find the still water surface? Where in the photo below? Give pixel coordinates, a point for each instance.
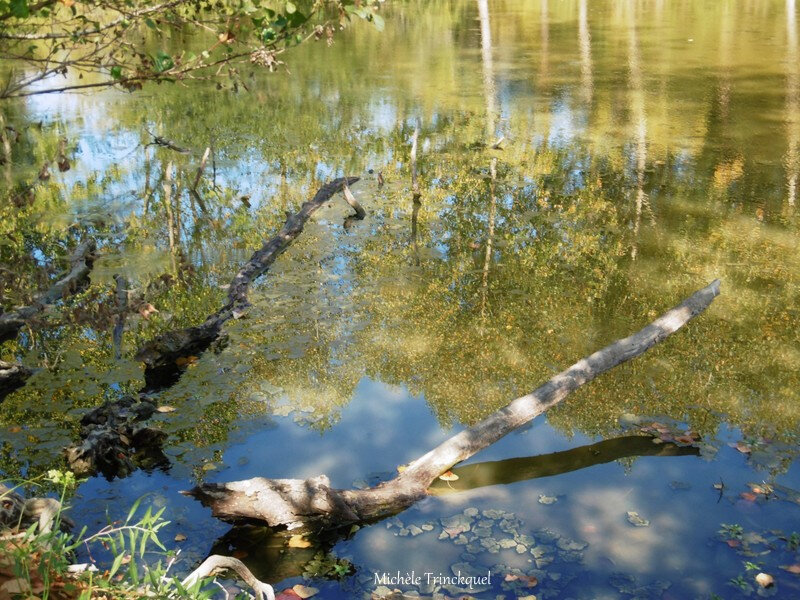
(646, 149)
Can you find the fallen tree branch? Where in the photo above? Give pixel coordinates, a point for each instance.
(216, 562)
(296, 503)
(159, 355)
(81, 262)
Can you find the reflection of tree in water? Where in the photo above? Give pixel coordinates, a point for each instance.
(560, 282)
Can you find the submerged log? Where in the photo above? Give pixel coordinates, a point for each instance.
(295, 503)
(81, 262)
(114, 441)
(12, 376)
(160, 354)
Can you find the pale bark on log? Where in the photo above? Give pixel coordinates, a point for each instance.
(81, 262)
(216, 562)
(312, 502)
(159, 354)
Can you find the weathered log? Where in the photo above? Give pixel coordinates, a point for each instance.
(312, 502)
(12, 376)
(160, 354)
(81, 261)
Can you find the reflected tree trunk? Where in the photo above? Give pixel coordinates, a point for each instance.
(585, 43)
(792, 159)
(5, 146)
(543, 88)
(511, 470)
(639, 118)
(490, 97)
(490, 237)
(148, 166)
(414, 233)
(487, 61)
(166, 187)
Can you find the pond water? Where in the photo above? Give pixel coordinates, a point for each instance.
(645, 148)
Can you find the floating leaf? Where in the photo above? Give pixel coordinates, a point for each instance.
(166, 409)
(183, 361)
(146, 310)
(750, 497)
(792, 568)
(298, 541)
(240, 554)
(636, 520)
(741, 447)
(287, 594)
(765, 580)
(180, 537)
(401, 468)
(304, 591)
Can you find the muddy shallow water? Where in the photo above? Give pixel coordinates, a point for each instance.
(646, 149)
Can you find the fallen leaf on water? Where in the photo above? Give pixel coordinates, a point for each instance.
(685, 439)
(287, 594)
(240, 554)
(750, 497)
(166, 409)
(401, 468)
(183, 361)
(733, 543)
(636, 520)
(741, 447)
(180, 537)
(304, 591)
(448, 476)
(14, 429)
(792, 568)
(760, 488)
(147, 310)
(209, 466)
(298, 541)
(765, 580)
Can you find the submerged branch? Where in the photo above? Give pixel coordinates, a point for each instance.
(296, 503)
(160, 354)
(81, 262)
